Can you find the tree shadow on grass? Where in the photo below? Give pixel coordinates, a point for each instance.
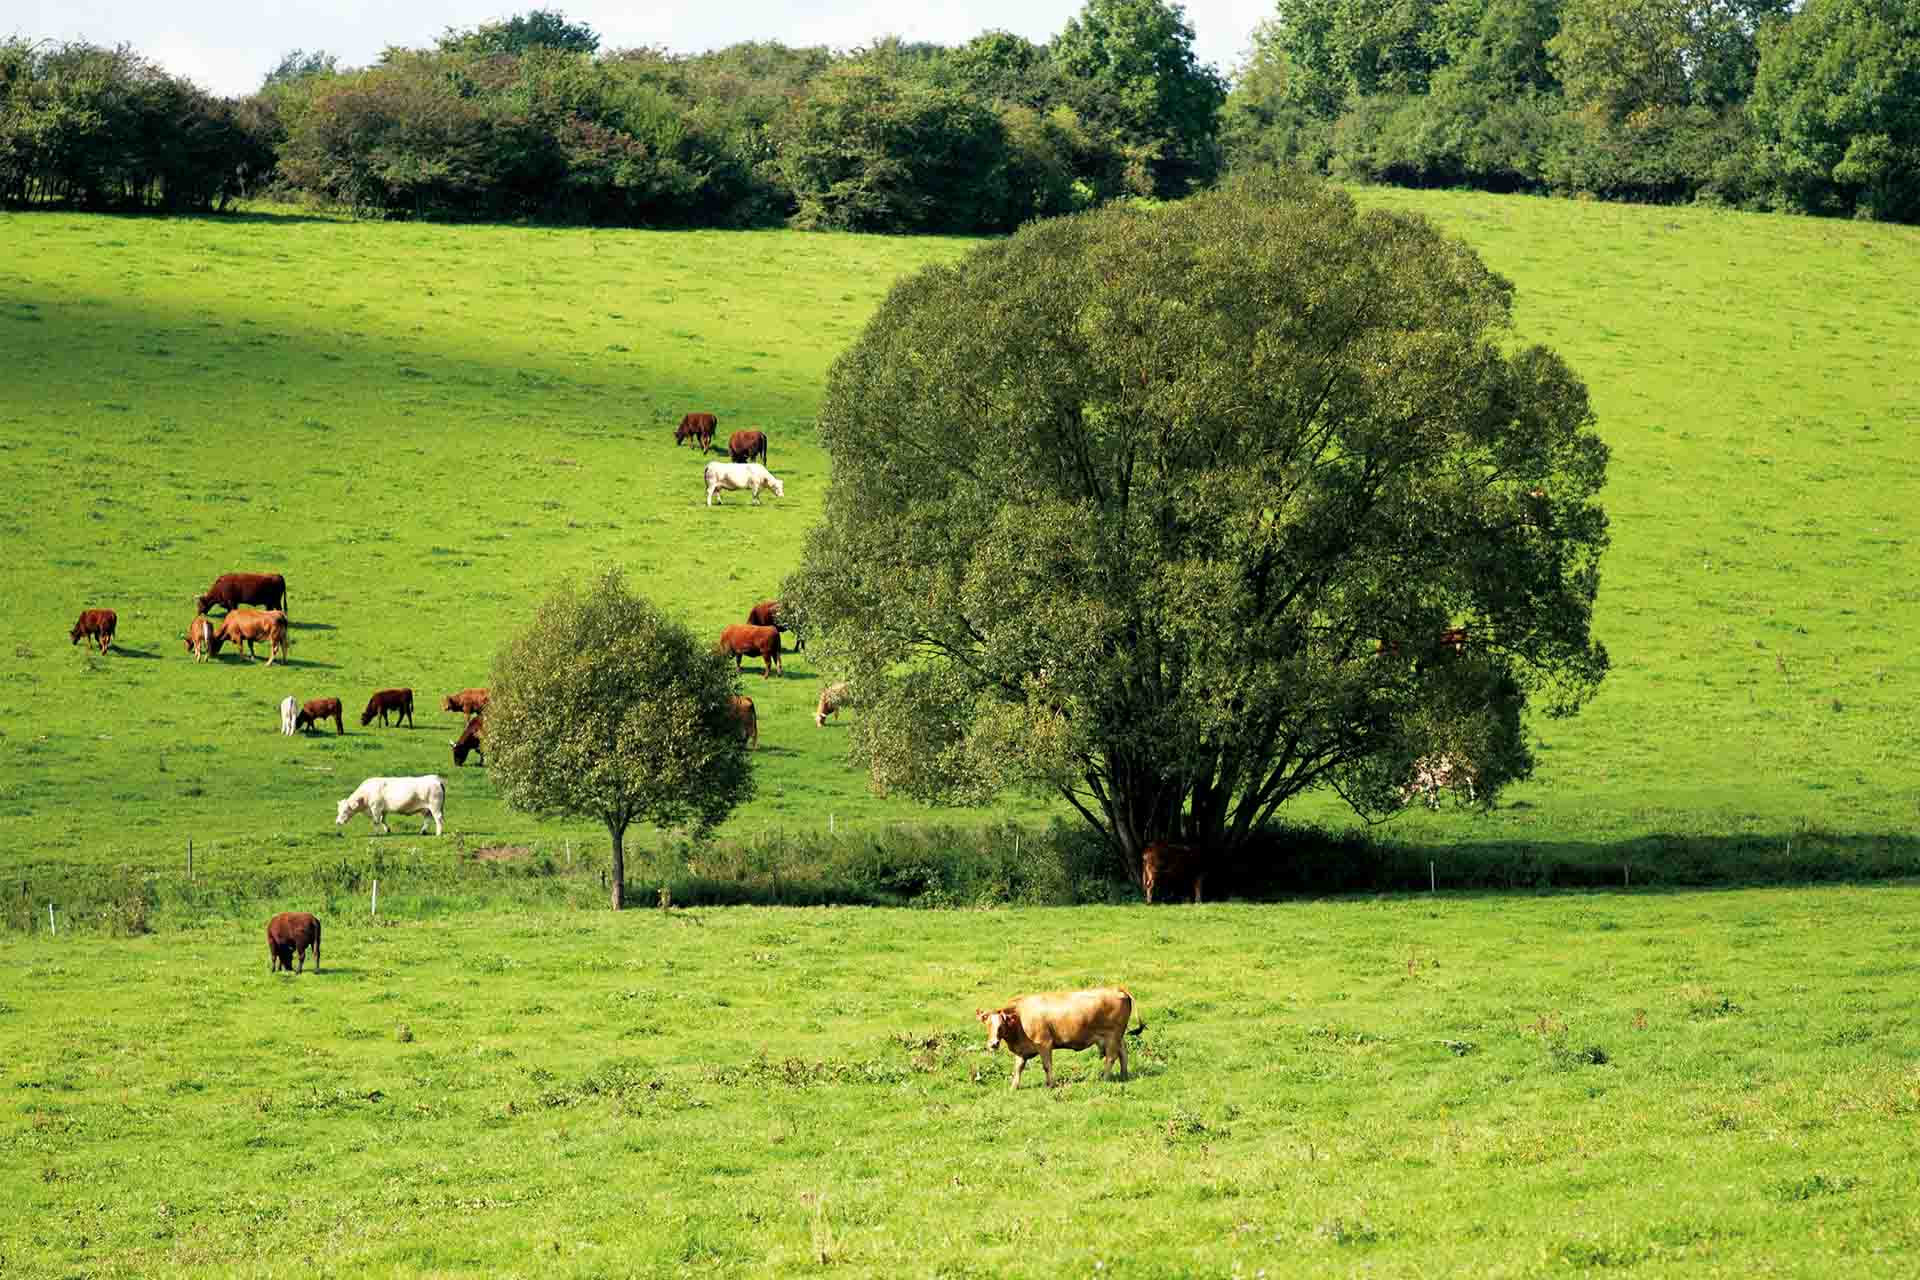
(1313, 862)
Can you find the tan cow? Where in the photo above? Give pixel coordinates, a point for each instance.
(200, 637)
(250, 626)
(832, 698)
(468, 702)
(1039, 1024)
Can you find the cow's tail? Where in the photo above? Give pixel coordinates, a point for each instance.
(1137, 1029)
(316, 944)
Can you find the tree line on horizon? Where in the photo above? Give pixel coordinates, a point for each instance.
(1760, 104)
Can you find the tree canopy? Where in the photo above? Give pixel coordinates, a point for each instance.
(605, 706)
(1166, 512)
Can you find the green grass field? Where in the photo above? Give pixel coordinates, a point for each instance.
(423, 425)
(1713, 1084)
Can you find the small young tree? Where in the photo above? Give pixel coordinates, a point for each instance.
(606, 706)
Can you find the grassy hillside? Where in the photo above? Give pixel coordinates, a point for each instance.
(422, 425)
(1698, 1084)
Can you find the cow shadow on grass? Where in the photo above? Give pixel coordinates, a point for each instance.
(119, 652)
(309, 662)
(311, 626)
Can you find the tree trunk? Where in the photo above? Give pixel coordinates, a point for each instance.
(619, 874)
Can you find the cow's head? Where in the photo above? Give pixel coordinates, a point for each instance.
(202, 603)
(773, 483)
(76, 633)
(346, 810)
(1002, 1025)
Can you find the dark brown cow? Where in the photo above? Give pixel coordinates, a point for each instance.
(288, 933)
(696, 426)
(748, 718)
(96, 624)
(1169, 867)
(249, 627)
(748, 446)
(468, 702)
(231, 590)
(767, 614)
(315, 712)
(397, 701)
(752, 642)
(469, 742)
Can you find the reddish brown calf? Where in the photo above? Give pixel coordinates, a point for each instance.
(397, 701)
(316, 712)
(752, 642)
(96, 624)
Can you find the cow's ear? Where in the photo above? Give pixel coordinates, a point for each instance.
(980, 1015)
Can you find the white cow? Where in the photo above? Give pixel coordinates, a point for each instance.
(742, 475)
(288, 710)
(1436, 773)
(382, 796)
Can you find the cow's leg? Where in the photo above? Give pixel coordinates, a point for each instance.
(378, 814)
(1046, 1062)
(1119, 1040)
(1019, 1065)
(1198, 882)
(300, 955)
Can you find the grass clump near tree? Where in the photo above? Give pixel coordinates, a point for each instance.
(605, 706)
(1182, 515)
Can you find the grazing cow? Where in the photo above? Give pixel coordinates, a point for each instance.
(289, 933)
(289, 707)
(468, 702)
(742, 475)
(767, 614)
(231, 590)
(1167, 867)
(96, 624)
(381, 796)
(748, 719)
(743, 641)
(1039, 1024)
(696, 426)
(250, 626)
(1435, 774)
(468, 741)
(200, 641)
(832, 698)
(317, 711)
(397, 701)
(747, 446)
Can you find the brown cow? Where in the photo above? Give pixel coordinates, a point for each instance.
(748, 446)
(1039, 1024)
(96, 624)
(748, 718)
(200, 638)
(1169, 867)
(468, 702)
(696, 426)
(767, 614)
(250, 626)
(752, 642)
(468, 741)
(290, 932)
(315, 712)
(397, 701)
(231, 590)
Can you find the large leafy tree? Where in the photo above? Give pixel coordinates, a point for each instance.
(1837, 104)
(605, 706)
(1130, 65)
(1166, 512)
(535, 29)
(1620, 58)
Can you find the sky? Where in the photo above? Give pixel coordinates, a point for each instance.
(228, 46)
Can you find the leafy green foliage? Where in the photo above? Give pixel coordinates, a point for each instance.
(522, 33)
(1137, 495)
(604, 706)
(107, 129)
(1837, 104)
(1130, 64)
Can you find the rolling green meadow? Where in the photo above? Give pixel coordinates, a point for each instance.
(424, 426)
